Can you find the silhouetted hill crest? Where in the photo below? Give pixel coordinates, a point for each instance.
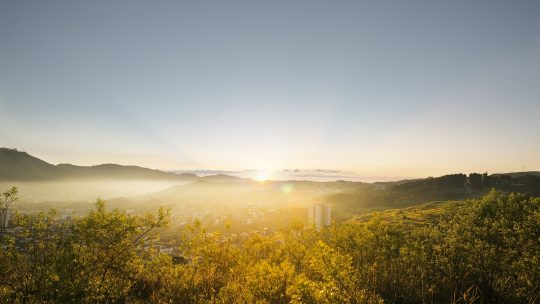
(20, 166)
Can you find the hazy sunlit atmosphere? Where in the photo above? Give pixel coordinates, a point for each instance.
(269, 151)
(382, 89)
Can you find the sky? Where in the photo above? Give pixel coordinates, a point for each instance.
(377, 88)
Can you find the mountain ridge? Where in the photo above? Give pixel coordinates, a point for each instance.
(20, 166)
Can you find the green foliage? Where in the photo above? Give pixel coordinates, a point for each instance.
(7, 199)
(91, 259)
(492, 244)
(485, 250)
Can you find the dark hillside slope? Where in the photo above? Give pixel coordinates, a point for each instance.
(21, 166)
(443, 188)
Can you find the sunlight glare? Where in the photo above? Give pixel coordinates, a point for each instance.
(261, 177)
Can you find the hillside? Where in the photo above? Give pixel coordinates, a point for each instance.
(21, 166)
(519, 174)
(444, 188)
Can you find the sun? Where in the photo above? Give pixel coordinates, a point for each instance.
(261, 177)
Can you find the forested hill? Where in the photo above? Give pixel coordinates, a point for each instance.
(21, 166)
(448, 187)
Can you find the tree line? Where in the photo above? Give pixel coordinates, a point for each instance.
(447, 187)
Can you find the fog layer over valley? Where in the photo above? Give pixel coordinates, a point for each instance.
(219, 200)
(86, 190)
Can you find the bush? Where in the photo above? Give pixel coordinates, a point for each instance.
(487, 250)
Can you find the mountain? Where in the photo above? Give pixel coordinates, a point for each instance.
(21, 166)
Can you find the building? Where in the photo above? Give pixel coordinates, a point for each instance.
(320, 215)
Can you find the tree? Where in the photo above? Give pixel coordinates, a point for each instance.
(480, 251)
(7, 200)
(476, 181)
(97, 258)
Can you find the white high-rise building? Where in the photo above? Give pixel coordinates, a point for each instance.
(320, 215)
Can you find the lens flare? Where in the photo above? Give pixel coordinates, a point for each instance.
(287, 188)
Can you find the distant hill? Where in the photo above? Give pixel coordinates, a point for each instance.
(213, 188)
(120, 172)
(443, 188)
(519, 174)
(21, 166)
(223, 178)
